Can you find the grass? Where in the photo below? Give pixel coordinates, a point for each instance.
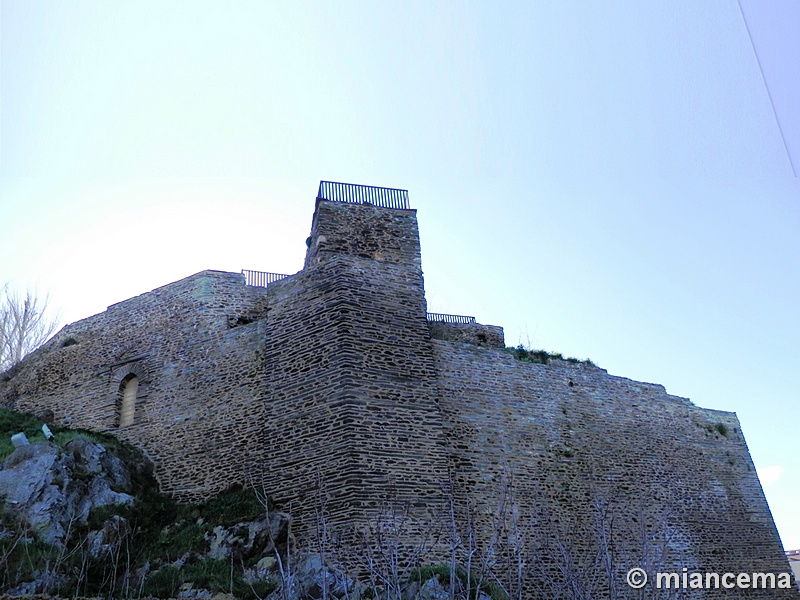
(164, 583)
(12, 422)
(167, 530)
(210, 574)
(236, 505)
(20, 557)
(164, 531)
(543, 357)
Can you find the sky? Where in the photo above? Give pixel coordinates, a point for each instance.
(608, 180)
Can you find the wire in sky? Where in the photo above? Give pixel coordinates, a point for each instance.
(769, 94)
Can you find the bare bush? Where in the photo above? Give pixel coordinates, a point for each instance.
(24, 325)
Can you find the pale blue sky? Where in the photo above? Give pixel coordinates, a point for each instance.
(603, 179)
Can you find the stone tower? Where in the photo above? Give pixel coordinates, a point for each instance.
(350, 364)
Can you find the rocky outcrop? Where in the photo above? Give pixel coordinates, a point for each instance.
(82, 498)
(52, 489)
(247, 539)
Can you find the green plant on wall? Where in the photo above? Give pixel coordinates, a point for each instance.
(719, 428)
(542, 357)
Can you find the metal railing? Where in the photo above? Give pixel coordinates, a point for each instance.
(261, 278)
(443, 318)
(354, 193)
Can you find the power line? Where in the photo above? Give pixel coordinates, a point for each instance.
(769, 94)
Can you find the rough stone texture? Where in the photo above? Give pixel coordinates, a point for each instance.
(573, 437)
(330, 388)
(248, 539)
(350, 369)
(53, 489)
(364, 231)
(490, 336)
(197, 415)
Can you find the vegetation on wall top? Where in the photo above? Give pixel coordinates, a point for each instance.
(523, 354)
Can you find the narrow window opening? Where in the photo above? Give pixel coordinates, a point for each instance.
(127, 400)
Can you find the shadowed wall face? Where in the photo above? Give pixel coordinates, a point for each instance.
(350, 367)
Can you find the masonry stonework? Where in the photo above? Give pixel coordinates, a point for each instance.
(332, 381)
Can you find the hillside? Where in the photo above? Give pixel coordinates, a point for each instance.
(81, 516)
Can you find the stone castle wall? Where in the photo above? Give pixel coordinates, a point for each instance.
(584, 448)
(332, 383)
(200, 374)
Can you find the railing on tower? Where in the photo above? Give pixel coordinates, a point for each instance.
(443, 318)
(354, 193)
(261, 278)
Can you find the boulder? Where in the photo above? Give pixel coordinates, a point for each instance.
(52, 489)
(308, 579)
(433, 590)
(247, 539)
(108, 539)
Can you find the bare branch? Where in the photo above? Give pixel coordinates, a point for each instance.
(24, 325)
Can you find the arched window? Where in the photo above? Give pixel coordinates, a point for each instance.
(127, 400)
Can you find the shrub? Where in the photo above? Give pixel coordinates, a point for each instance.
(164, 583)
(232, 506)
(542, 357)
(210, 574)
(100, 514)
